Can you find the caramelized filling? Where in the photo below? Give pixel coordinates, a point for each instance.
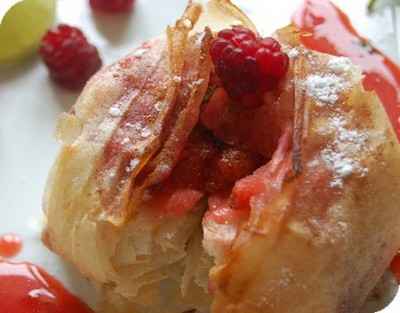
(227, 159)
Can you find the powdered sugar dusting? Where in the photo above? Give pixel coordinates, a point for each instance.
(293, 53)
(287, 277)
(106, 126)
(139, 53)
(342, 155)
(341, 165)
(115, 112)
(196, 83)
(313, 163)
(132, 165)
(339, 65)
(177, 79)
(164, 168)
(140, 129)
(159, 106)
(125, 141)
(326, 88)
(187, 23)
(146, 132)
(134, 126)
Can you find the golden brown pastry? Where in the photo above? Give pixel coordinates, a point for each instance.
(310, 228)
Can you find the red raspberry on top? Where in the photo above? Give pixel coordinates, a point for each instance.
(247, 64)
(112, 6)
(70, 58)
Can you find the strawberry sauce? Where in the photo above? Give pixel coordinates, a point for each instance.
(10, 245)
(395, 266)
(26, 288)
(329, 30)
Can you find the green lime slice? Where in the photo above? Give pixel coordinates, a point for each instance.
(22, 26)
(374, 5)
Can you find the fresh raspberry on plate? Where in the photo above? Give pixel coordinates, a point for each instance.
(247, 64)
(70, 58)
(112, 6)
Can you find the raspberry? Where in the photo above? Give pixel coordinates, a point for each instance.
(247, 64)
(70, 58)
(112, 6)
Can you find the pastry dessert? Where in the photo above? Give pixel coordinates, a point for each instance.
(188, 181)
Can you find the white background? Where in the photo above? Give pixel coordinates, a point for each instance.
(30, 104)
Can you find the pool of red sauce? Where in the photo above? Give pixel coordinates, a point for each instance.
(329, 30)
(10, 245)
(27, 288)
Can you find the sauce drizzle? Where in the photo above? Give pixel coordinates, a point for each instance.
(395, 267)
(27, 288)
(10, 245)
(329, 30)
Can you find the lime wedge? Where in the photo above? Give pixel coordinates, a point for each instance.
(22, 25)
(371, 5)
(374, 5)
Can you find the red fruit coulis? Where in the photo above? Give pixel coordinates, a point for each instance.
(27, 288)
(395, 266)
(10, 245)
(329, 30)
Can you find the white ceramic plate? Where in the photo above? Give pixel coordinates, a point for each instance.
(30, 104)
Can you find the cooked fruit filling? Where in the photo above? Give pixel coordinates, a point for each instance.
(206, 166)
(238, 153)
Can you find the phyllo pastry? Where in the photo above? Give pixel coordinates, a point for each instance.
(213, 170)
